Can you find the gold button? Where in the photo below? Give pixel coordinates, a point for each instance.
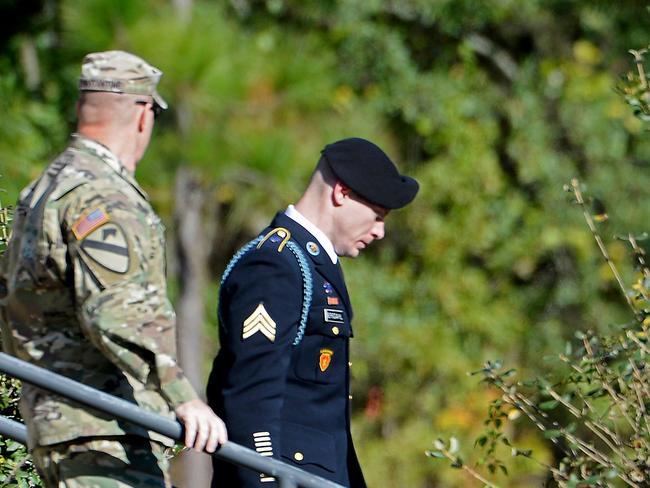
(349, 397)
(298, 456)
(349, 364)
(335, 330)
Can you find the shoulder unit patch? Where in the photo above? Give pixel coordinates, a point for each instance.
(108, 247)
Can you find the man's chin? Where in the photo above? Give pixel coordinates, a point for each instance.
(349, 253)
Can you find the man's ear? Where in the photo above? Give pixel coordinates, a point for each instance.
(339, 193)
(142, 120)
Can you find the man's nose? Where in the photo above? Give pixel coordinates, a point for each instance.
(378, 230)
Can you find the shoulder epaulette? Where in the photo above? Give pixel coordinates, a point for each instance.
(283, 236)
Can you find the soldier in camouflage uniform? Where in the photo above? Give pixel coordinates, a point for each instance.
(86, 293)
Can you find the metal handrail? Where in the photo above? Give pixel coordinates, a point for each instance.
(13, 430)
(288, 476)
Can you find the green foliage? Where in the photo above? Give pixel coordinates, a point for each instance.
(594, 410)
(635, 86)
(16, 467)
(30, 129)
(5, 220)
(492, 105)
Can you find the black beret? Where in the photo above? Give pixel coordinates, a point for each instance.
(367, 171)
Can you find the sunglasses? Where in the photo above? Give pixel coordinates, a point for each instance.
(155, 108)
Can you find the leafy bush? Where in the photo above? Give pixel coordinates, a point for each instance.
(594, 410)
(16, 467)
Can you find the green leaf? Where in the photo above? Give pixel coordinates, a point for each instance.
(568, 348)
(481, 441)
(552, 433)
(592, 480)
(549, 405)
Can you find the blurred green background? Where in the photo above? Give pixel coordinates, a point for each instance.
(493, 105)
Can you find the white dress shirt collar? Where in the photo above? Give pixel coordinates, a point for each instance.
(320, 236)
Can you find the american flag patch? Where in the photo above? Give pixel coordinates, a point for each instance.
(89, 222)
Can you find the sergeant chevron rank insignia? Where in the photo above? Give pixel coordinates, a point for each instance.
(259, 321)
(108, 247)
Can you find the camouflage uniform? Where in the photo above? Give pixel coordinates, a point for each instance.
(103, 463)
(86, 298)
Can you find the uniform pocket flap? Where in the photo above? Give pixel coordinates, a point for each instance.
(303, 445)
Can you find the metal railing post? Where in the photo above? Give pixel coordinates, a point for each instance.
(230, 452)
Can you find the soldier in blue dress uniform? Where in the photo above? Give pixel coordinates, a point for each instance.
(281, 379)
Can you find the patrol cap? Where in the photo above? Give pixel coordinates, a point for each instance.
(366, 170)
(120, 72)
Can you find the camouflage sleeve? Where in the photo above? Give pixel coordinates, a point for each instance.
(116, 245)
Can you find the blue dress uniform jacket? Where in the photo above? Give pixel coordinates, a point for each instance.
(284, 400)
